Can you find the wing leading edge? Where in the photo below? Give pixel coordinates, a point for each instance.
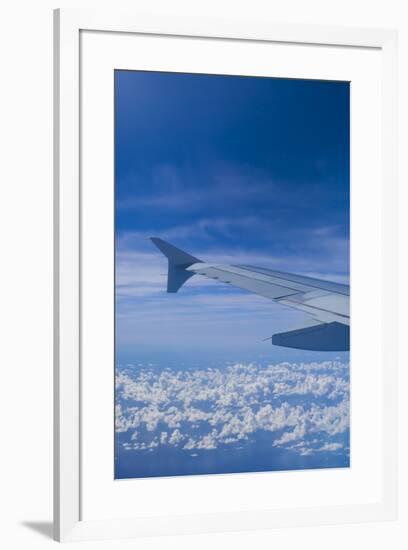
(326, 302)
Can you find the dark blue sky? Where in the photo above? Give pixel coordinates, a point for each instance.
(230, 168)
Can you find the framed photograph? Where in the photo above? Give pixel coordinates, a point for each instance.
(225, 265)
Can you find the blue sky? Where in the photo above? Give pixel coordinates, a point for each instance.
(232, 169)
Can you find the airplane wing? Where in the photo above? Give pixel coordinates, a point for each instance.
(326, 302)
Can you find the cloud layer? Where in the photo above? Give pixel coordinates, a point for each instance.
(303, 407)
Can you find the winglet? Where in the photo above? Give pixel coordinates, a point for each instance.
(178, 262)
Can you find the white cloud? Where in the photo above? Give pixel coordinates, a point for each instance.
(301, 406)
(331, 447)
(176, 437)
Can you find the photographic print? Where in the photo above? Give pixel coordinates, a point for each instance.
(231, 274)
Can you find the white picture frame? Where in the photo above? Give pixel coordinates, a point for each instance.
(68, 475)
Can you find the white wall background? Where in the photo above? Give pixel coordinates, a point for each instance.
(26, 270)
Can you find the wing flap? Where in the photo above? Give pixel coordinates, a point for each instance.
(305, 283)
(319, 337)
(243, 279)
